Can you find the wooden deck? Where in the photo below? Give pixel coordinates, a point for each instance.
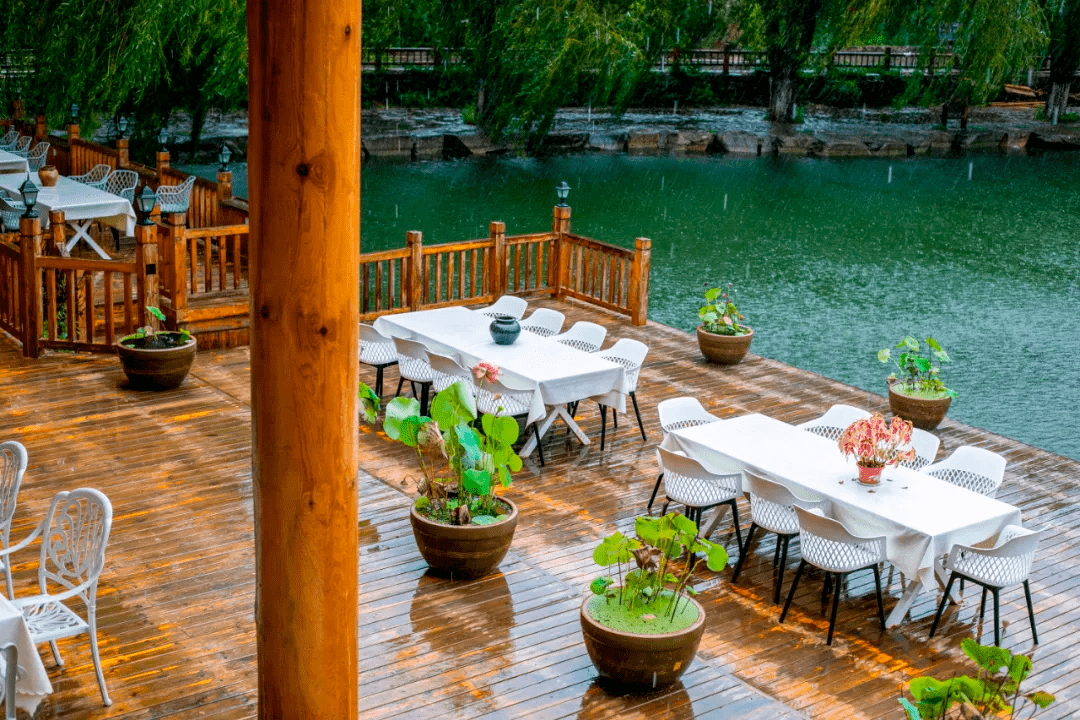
(176, 597)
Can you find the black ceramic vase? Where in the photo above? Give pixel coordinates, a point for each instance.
(504, 330)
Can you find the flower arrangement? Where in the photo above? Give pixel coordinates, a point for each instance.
(876, 444)
(922, 372)
(719, 314)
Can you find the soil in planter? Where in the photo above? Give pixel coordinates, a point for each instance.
(502, 512)
(917, 393)
(613, 614)
(157, 341)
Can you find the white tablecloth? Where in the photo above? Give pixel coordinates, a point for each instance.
(562, 374)
(33, 683)
(922, 517)
(78, 201)
(10, 162)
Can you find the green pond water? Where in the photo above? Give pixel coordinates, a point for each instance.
(832, 261)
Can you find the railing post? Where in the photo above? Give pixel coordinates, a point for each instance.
(39, 128)
(560, 225)
(162, 164)
(639, 281)
(73, 132)
(414, 282)
(146, 256)
(56, 232)
(224, 185)
(176, 281)
(30, 246)
(887, 62)
(497, 273)
(122, 152)
(727, 58)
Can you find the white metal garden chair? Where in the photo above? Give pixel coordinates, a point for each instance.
(833, 423)
(688, 483)
(631, 355)
(8, 141)
(413, 365)
(1005, 563)
(175, 198)
(509, 396)
(971, 467)
(35, 159)
(678, 413)
(122, 183)
(74, 535)
(378, 351)
(22, 146)
(506, 305)
(10, 218)
(772, 508)
(583, 335)
(926, 446)
(13, 460)
(544, 322)
(829, 546)
(95, 178)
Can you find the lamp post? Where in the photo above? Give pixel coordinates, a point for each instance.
(122, 125)
(145, 202)
(162, 138)
(562, 190)
(74, 113)
(223, 157)
(29, 193)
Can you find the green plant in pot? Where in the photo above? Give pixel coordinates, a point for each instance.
(156, 360)
(641, 626)
(722, 336)
(461, 525)
(916, 392)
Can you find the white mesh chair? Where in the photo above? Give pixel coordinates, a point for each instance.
(971, 467)
(13, 460)
(678, 413)
(1006, 563)
(829, 546)
(10, 218)
(36, 157)
(631, 355)
(926, 446)
(832, 424)
(413, 365)
(583, 335)
(8, 141)
(506, 305)
(122, 183)
(74, 535)
(772, 508)
(544, 322)
(11, 674)
(95, 178)
(175, 198)
(509, 396)
(446, 370)
(688, 483)
(376, 350)
(22, 146)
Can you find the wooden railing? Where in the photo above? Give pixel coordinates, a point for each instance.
(88, 304)
(11, 306)
(531, 263)
(205, 208)
(457, 273)
(85, 155)
(611, 277)
(384, 282)
(200, 263)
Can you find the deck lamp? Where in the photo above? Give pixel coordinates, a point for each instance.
(145, 201)
(562, 190)
(223, 156)
(122, 125)
(74, 113)
(162, 138)
(29, 193)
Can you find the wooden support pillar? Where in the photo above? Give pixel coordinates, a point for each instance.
(146, 279)
(497, 273)
(30, 246)
(415, 279)
(304, 173)
(560, 225)
(58, 237)
(162, 164)
(639, 281)
(123, 153)
(177, 278)
(224, 185)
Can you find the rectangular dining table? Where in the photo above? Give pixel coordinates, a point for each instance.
(32, 683)
(561, 374)
(12, 163)
(921, 516)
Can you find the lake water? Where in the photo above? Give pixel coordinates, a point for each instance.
(832, 261)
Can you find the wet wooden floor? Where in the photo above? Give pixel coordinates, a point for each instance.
(176, 597)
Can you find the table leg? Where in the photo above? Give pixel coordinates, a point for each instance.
(721, 511)
(557, 411)
(914, 587)
(955, 597)
(81, 233)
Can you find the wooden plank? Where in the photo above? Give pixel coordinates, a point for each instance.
(88, 296)
(50, 303)
(110, 330)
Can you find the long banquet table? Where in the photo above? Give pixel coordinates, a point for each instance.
(921, 516)
(12, 163)
(561, 374)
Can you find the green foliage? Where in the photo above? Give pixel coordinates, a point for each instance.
(719, 314)
(922, 371)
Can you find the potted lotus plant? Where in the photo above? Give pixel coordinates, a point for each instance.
(917, 393)
(156, 360)
(875, 444)
(462, 526)
(722, 337)
(642, 627)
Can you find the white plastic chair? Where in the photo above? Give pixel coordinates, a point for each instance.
(76, 531)
(926, 446)
(35, 159)
(13, 460)
(122, 183)
(509, 396)
(506, 305)
(832, 424)
(11, 675)
(688, 483)
(22, 146)
(8, 141)
(1007, 562)
(674, 414)
(631, 355)
(971, 467)
(583, 335)
(378, 351)
(446, 370)
(413, 366)
(175, 198)
(772, 508)
(544, 322)
(95, 178)
(828, 545)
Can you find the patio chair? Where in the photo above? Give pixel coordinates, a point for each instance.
(11, 675)
(583, 335)
(772, 508)
(926, 446)
(509, 397)
(74, 535)
(631, 355)
(413, 366)
(175, 198)
(506, 305)
(689, 484)
(13, 461)
(1006, 563)
(10, 218)
(122, 183)
(95, 178)
(36, 157)
(833, 423)
(446, 370)
(8, 141)
(22, 146)
(971, 467)
(829, 546)
(544, 322)
(674, 414)
(378, 351)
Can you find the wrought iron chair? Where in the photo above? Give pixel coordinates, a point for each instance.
(175, 198)
(833, 423)
(22, 146)
(926, 446)
(688, 483)
(1006, 563)
(583, 335)
(544, 322)
(829, 546)
(772, 508)
(678, 413)
(378, 351)
(95, 178)
(413, 366)
(122, 183)
(509, 396)
(74, 535)
(13, 460)
(8, 141)
(506, 305)
(631, 355)
(36, 157)
(11, 675)
(971, 467)
(10, 218)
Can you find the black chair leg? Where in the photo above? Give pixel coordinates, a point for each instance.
(656, 489)
(835, 605)
(539, 447)
(641, 425)
(744, 551)
(791, 593)
(826, 588)
(982, 605)
(783, 561)
(997, 619)
(614, 419)
(880, 604)
(735, 521)
(1031, 612)
(603, 425)
(941, 607)
(378, 381)
(424, 387)
(776, 553)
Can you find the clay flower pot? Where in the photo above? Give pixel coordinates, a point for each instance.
(464, 551)
(723, 349)
(156, 368)
(922, 413)
(48, 175)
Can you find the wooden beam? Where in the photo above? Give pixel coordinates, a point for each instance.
(304, 170)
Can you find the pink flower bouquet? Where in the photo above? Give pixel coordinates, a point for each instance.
(876, 444)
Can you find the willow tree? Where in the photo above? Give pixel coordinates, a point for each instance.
(1063, 20)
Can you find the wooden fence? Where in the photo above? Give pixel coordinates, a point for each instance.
(12, 319)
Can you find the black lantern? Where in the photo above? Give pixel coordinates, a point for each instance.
(145, 202)
(74, 113)
(122, 125)
(29, 197)
(562, 190)
(223, 156)
(162, 138)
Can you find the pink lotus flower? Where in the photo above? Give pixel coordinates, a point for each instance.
(486, 372)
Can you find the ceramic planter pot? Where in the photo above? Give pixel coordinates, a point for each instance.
(464, 551)
(504, 330)
(156, 368)
(723, 349)
(869, 475)
(923, 414)
(48, 175)
(642, 661)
